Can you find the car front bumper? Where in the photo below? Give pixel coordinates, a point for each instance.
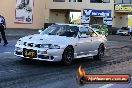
(42, 54)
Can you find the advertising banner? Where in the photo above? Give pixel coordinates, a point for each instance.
(24, 11)
(123, 8)
(91, 12)
(106, 14)
(129, 20)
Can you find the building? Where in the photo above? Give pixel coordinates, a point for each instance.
(35, 13)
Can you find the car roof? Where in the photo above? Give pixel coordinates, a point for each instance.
(74, 25)
(70, 24)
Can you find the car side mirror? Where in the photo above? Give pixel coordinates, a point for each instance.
(39, 31)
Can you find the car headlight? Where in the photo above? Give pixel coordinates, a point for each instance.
(50, 46)
(19, 42)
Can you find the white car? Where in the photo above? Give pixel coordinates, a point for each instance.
(62, 42)
(123, 31)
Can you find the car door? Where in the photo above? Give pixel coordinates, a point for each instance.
(84, 44)
(95, 41)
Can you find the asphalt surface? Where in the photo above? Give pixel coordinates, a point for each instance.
(18, 73)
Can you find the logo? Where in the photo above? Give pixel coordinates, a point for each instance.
(87, 12)
(84, 78)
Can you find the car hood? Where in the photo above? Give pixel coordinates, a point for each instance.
(47, 39)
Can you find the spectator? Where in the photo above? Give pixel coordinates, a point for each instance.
(2, 29)
(130, 32)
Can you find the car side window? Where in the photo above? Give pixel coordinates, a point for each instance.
(87, 32)
(84, 33)
(91, 32)
(74, 30)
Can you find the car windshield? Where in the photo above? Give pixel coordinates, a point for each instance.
(61, 30)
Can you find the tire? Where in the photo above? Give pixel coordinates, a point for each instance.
(67, 56)
(100, 52)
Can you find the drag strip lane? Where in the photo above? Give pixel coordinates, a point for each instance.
(18, 71)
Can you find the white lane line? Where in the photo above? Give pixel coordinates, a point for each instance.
(6, 52)
(106, 86)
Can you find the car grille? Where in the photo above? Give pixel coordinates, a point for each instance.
(18, 53)
(32, 45)
(38, 45)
